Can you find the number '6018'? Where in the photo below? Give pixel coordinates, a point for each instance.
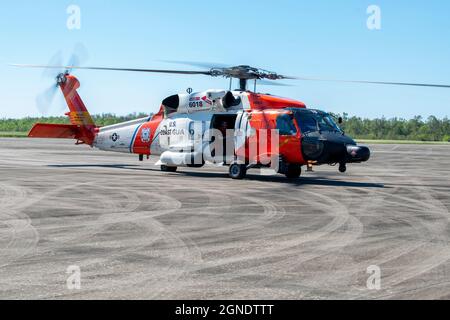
(196, 104)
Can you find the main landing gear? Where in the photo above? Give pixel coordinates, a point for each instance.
(293, 171)
(290, 170)
(238, 171)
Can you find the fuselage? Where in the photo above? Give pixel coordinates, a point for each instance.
(305, 136)
(240, 129)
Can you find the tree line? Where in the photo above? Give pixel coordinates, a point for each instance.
(25, 124)
(417, 128)
(430, 129)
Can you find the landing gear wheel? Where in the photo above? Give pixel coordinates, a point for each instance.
(293, 171)
(165, 168)
(342, 168)
(238, 171)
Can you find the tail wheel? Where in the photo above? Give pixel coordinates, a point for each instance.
(238, 171)
(165, 168)
(293, 171)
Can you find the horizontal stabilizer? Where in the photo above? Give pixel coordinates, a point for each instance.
(58, 131)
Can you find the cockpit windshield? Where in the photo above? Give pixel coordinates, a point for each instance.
(312, 120)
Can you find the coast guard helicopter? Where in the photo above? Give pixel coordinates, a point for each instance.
(180, 132)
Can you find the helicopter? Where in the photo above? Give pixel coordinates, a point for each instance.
(241, 128)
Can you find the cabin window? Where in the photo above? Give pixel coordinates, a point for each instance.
(285, 125)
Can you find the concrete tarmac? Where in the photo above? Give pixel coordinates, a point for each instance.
(135, 232)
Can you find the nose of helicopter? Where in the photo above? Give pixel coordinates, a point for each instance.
(333, 147)
(358, 153)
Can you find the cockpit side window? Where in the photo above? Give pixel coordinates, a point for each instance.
(285, 125)
(307, 122)
(310, 121)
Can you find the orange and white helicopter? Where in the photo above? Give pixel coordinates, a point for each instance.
(239, 128)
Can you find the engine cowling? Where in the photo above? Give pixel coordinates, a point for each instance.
(230, 101)
(201, 101)
(171, 103)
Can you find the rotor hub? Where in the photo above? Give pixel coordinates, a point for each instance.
(61, 78)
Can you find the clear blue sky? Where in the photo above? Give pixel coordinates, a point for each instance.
(303, 38)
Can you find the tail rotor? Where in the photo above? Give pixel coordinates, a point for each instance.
(58, 73)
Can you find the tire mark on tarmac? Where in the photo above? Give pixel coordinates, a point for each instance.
(283, 253)
(437, 245)
(169, 241)
(433, 232)
(18, 236)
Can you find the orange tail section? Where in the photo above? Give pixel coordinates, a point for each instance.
(56, 131)
(82, 127)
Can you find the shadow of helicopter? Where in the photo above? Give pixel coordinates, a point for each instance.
(320, 181)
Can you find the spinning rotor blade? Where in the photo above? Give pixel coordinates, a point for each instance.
(271, 83)
(234, 71)
(78, 57)
(379, 82)
(206, 65)
(280, 76)
(242, 72)
(207, 73)
(45, 99)
(56, 60)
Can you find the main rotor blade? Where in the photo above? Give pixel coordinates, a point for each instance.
(207, 73)
(228, 73)
(280, 76)
(378, 82)
(231, 70)
(206, 65)
(271, 83)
